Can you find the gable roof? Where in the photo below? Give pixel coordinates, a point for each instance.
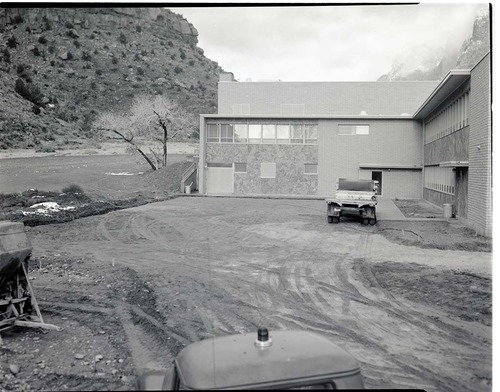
(327, 98)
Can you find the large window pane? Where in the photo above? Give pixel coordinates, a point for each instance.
(268, 133)
(240, 133)
(283, 134)
(212, 133)
(311, 134)
(226, 133)
(255, 133)
(297, 134)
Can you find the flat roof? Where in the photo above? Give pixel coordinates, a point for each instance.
(454, 79)
(310, 116)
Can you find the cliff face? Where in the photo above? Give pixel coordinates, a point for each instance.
(435, 67)
(60, 67)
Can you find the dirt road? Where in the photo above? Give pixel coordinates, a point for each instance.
(215, 266)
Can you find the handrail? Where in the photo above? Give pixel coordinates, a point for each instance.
(187, 173)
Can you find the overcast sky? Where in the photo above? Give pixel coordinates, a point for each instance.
(326, 43)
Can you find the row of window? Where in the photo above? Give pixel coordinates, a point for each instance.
(275, 133)
(267, 169)
(452, 118)
(263, 133)
(441, 179)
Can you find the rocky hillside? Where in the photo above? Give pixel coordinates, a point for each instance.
(426, 65)
(60, 67)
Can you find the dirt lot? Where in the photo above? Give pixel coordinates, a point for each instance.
(130, 288)
(136, 285)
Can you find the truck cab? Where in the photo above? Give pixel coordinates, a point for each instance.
(283, 360)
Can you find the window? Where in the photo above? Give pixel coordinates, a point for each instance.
(311, 134)
(226, 133)
(310, 168)
(354, 129)
(283, 134)
(240, 167)
(297, 134)
(240, 133)
(254, 133)
(268, 170)
(268, 133)
(212, 133)
(441, 179)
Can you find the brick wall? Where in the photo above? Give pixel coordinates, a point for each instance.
(397, 142)
(325, 98)
(479, 189)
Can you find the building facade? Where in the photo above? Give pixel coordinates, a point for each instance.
(418, 139)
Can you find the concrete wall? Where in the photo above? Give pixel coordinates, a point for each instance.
(390, 142)
(479, 192)
(289, 159)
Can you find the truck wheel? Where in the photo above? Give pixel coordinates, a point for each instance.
(373, 221)
(336, 219)
(365, 221)
(330, 219)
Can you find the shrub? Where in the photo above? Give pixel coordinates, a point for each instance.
(69, 25)
(105, 47)
(122, 39)
(76, 43)
(170, 44)
(6, 55)
(71, 34)
(144, 53)
(12, 42)
(172, 57)
(28, 91)
(52, 63)
(86, 56)
(114, 60)
(42, 40)
(47, 25)
(51, 49)
(140, 71)
(28, 29)
(98, 72)
(70, 56)
(36, 51)
(160, 18)
(191, 63)
(183, 55)
(92, 36)
(137, 57)
(124, 54)
(138, 28)
(21, 68)
(35, 109)
(178, 69)
(73, 188)
(18, 19)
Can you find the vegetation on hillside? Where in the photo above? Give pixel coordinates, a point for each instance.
(60, 68)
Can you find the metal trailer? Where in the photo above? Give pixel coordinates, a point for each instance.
(17, 299)
(355, 198)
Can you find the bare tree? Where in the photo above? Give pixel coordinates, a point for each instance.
(153, 119)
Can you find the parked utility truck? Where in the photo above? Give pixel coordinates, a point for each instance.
(354, 197)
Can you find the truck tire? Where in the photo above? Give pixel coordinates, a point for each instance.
(336, 219)
(364, 222)
(373, 221)
(330, 219)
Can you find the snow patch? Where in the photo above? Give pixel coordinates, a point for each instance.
(47, 208)
(123, 174)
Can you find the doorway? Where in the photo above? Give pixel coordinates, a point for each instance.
(377, 176)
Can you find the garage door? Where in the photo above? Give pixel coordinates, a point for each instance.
(219, 180)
